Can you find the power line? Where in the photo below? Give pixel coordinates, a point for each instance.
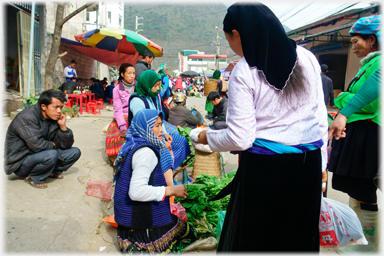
(345, 8)
(288, 10)
(328, 13)
(296, 12)
(311, 13)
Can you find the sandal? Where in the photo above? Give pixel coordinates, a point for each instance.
(29, 180)
(56, 176)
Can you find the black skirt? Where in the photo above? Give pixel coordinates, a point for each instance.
(274, 205)
(356, 155)
(170, 238)
(354, 161)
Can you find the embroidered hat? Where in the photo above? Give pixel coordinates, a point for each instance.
(370, 25)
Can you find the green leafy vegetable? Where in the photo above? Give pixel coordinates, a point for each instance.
(203, 214)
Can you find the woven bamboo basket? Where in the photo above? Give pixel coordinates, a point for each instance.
(209, 86)
(206, 163)
(225, 86)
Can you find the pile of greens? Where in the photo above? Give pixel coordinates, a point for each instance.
(203, 214)
(185, 131)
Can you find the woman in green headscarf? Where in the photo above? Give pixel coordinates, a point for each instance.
(146, 96)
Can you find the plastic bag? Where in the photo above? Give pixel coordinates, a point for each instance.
(110, 220)
(194, 135)
(179, 211)
(100, 189)
(209, 243)
(339, 225)
(220, 224)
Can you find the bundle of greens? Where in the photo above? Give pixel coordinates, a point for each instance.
(203, 214)
(185, 131)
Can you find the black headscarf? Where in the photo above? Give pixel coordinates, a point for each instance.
(263, 39)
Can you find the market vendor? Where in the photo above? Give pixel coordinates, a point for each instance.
(146, 96)
(180, 115)
(141, 199)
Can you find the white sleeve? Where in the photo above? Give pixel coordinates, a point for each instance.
(241, 114)
(66, 70)
(323, 120)
(144, 162)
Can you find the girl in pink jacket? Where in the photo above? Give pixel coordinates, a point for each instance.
(121, 93)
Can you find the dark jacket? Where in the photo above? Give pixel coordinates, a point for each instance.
(29, 133)
(327, 89)
(219, 112)
(140, 67)
(69, 86)
(180, 115)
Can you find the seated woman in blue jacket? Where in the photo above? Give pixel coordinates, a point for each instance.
(141, 200)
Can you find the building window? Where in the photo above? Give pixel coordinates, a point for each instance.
(109, 17)
(87, 16)
(120, 20)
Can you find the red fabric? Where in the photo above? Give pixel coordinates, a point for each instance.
(107, 57)
(179, 84)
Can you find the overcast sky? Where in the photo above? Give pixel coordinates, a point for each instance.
(305, 12)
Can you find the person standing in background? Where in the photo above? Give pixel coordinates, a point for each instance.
(327, 86)
(70, 70)
(144, 63)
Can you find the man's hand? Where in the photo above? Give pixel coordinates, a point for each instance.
(122, 134)
(61, 121)
(202, 138)
(195, 108)
(168, 138)
(337, 128)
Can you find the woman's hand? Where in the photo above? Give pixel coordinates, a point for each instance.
(337, 128)
(324, 180)
(122, 134)
(168, 138)
(178, 191)
(202, 138)
(168, 146)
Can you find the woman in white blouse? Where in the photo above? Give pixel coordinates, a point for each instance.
(278, 123)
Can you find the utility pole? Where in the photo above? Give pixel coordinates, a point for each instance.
(138, 24)
(217, 49)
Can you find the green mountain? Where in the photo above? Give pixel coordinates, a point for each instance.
(177, 27)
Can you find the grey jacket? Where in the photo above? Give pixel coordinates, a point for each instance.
(219, 112)
(327, 89)
(140, 67)
(31, 133)
(180, 115)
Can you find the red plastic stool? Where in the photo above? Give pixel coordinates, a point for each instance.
(100, 103)
(94, 107)
(110, 101)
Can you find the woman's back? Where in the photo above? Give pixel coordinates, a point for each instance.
(288, 119)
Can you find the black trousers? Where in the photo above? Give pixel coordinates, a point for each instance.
(40, 165)
(275, 204)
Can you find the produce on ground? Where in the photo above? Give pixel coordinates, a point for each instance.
(203, 214)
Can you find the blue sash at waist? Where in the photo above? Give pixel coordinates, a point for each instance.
(266, 147)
